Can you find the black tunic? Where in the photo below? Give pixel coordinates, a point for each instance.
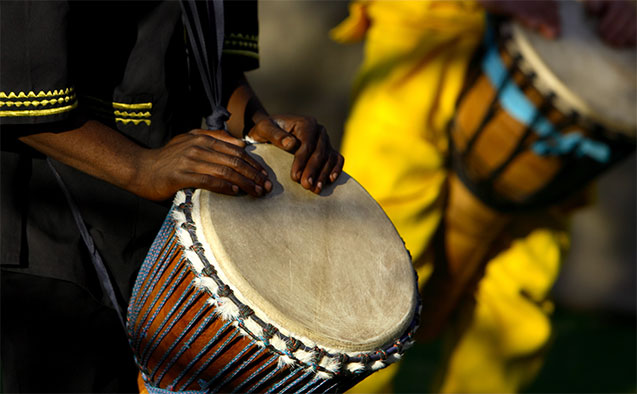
(124, 64)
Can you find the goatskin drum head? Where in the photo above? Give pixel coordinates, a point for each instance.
(328, 267)
(597, 80)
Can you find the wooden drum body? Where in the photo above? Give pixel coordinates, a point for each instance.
(545, 116)
(539, 120)
(292, 292)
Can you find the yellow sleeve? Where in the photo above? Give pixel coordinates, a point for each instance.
(416, 55)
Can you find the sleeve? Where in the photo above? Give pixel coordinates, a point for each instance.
(35, 84)
(241, 45)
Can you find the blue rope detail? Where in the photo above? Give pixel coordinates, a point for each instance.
(226, 367)
(186, 346)
(206, 363)
(141, 333)
(150, 283)
(515, 102)
(292, 373)
(246, 363)
(267, 377)
(158, 390)
(152, 344)
(158, 264)
(268, 364)
(308, 388)
(135, 304)
(297, 380)
(183, 334)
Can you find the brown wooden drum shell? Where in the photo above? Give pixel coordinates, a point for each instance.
(230, 361)
(492, 150)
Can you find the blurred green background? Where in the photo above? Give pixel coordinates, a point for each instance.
(594, 346)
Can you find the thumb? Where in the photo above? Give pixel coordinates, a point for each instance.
(268, 131)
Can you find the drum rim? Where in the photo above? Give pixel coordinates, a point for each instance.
(293, 349)
(516, 42)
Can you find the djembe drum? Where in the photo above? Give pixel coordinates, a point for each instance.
(539, 121)
(292, 292)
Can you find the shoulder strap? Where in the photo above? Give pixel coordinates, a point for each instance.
(209, 69)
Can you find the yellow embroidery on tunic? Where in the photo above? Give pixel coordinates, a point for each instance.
(132, 106)
(134, 121)
(39, 112)
(60, 99)
(111, 110)
(32, 94)
(243, 37)
(133, 114)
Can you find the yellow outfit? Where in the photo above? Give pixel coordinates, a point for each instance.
(395, 145)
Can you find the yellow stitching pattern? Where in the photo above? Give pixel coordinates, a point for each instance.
(243, 37)
(32, 94)
(132, 106)
(104, 107)
(241, 52)
(54, 101)
(39, 112)
(242, 44)
(133, 114)
(135, 121)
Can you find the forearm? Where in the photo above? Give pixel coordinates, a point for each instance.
(243, 104)
(95, 149)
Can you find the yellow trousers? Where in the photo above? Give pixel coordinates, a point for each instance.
(395, 145)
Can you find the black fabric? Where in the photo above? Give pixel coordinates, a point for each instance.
(124, 64)
(69, 334)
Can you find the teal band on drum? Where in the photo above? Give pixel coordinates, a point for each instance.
(515, 102)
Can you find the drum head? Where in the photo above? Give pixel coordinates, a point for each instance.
(330, 268)
(594, 79)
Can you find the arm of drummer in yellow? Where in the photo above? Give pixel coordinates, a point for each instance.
(316, 163)
(540, 15)
(201, 159)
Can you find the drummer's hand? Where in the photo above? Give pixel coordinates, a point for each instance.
(316, 163)
(540, 15)
(617, 21)
(207, 159)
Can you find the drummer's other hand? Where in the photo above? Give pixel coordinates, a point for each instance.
(540, 15)
(207, 159)
(617, 21)
(316, 163)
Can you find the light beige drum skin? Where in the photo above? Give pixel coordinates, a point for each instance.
(598, 81)
(330, 268)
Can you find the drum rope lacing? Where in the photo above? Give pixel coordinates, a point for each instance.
(325, 363)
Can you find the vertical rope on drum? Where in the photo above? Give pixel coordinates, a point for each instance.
(241, 367)
(205, 365)
(277, 369)
(202, 352)
(143, 330)
(318, 386)
(158, 246)
(316, 382)
(227, 366)
(181, 336)
(152, 343)
(158, 269)
(281, 382)
(545, 105)
(297, 381)
(492, 106)
(269, 363)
